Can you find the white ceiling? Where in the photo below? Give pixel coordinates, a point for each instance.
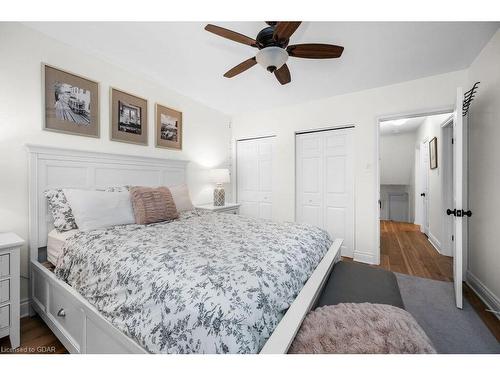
(408, 125)
(394, 127)
(187, 59)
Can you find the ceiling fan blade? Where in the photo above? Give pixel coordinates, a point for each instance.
(284, 30)
(283, 75)
(315, 51)
(240, 68)
(232, 35)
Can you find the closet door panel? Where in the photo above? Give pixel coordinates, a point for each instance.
(309, 182)
(254, 177)
(325, 188)
(339, 188)
(335, 220)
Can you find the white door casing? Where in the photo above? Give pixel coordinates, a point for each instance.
(458, 196)
(424, 186)
(254, 158)
(325, 183)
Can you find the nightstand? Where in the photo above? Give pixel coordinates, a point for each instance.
(228, 208)
(10, 246)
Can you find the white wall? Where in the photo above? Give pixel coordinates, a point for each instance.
(206, 131)
(429, 129)
(397, 174)
(397, 153)
(363, 109)
(484, 170)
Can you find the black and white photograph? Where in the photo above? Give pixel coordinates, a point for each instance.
(71, 103)
(130, 118)
(168, 128)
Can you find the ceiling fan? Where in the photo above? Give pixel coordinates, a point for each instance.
(274, 50)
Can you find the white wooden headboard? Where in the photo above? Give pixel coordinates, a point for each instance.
(52, 167)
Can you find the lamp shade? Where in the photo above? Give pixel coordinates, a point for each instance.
(272, 58)
(220, 176)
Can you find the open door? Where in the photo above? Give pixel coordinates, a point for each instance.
(458, 196)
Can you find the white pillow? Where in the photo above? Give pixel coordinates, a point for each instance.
(94, 209)
(180, 194)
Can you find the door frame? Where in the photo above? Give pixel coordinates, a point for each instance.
(423, 169)
(378, 120)
(447, 184)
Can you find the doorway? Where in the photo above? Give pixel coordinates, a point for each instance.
(414, 168)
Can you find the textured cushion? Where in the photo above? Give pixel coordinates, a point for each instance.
(182, 200)
(99, 209)
(360, 328)
(61, 210)
(152, 205)
(357, 283)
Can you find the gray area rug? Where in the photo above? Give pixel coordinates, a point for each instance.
(432, 304)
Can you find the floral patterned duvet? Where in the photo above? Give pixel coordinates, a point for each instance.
(205, 283)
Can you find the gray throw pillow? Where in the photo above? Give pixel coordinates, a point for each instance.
(61, 210)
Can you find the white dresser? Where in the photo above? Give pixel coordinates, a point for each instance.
(228, 208)
(10, 245)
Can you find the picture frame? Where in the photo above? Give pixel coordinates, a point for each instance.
(70, 103)
(433, 158)
(168, 127)
(128, 117)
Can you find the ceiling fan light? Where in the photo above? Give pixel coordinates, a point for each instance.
(272, 58)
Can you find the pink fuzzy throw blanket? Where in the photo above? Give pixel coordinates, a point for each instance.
(362, 328)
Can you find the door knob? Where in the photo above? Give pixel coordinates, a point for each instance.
(422, 195)
(467, 213)
(451, 212)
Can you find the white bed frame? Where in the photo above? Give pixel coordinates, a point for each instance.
(75, 322)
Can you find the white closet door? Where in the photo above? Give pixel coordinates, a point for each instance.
(309, 185)
(325, 188)
(254, 177)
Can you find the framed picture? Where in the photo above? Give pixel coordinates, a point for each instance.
(433, 157)
(129, 118)
(71, 103)
(168, 128)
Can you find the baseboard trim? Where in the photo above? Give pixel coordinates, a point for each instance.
(363, 257)
(24, 308)
(486, 295)
(434, 242)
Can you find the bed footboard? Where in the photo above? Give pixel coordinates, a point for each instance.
(285, 332)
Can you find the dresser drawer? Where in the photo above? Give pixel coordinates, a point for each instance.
(234, 211)
(67, 315)
(4, 265)
(4, 291)
(4, 316)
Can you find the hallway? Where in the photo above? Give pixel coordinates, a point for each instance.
(404, 249)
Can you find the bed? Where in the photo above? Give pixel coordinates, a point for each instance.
(205, 283)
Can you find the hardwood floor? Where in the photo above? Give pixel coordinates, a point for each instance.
(403, 249)
(36, 338)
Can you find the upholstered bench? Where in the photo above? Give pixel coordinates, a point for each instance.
(360, 311)
(358, 283)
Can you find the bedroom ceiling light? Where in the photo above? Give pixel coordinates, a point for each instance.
(272, 58)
